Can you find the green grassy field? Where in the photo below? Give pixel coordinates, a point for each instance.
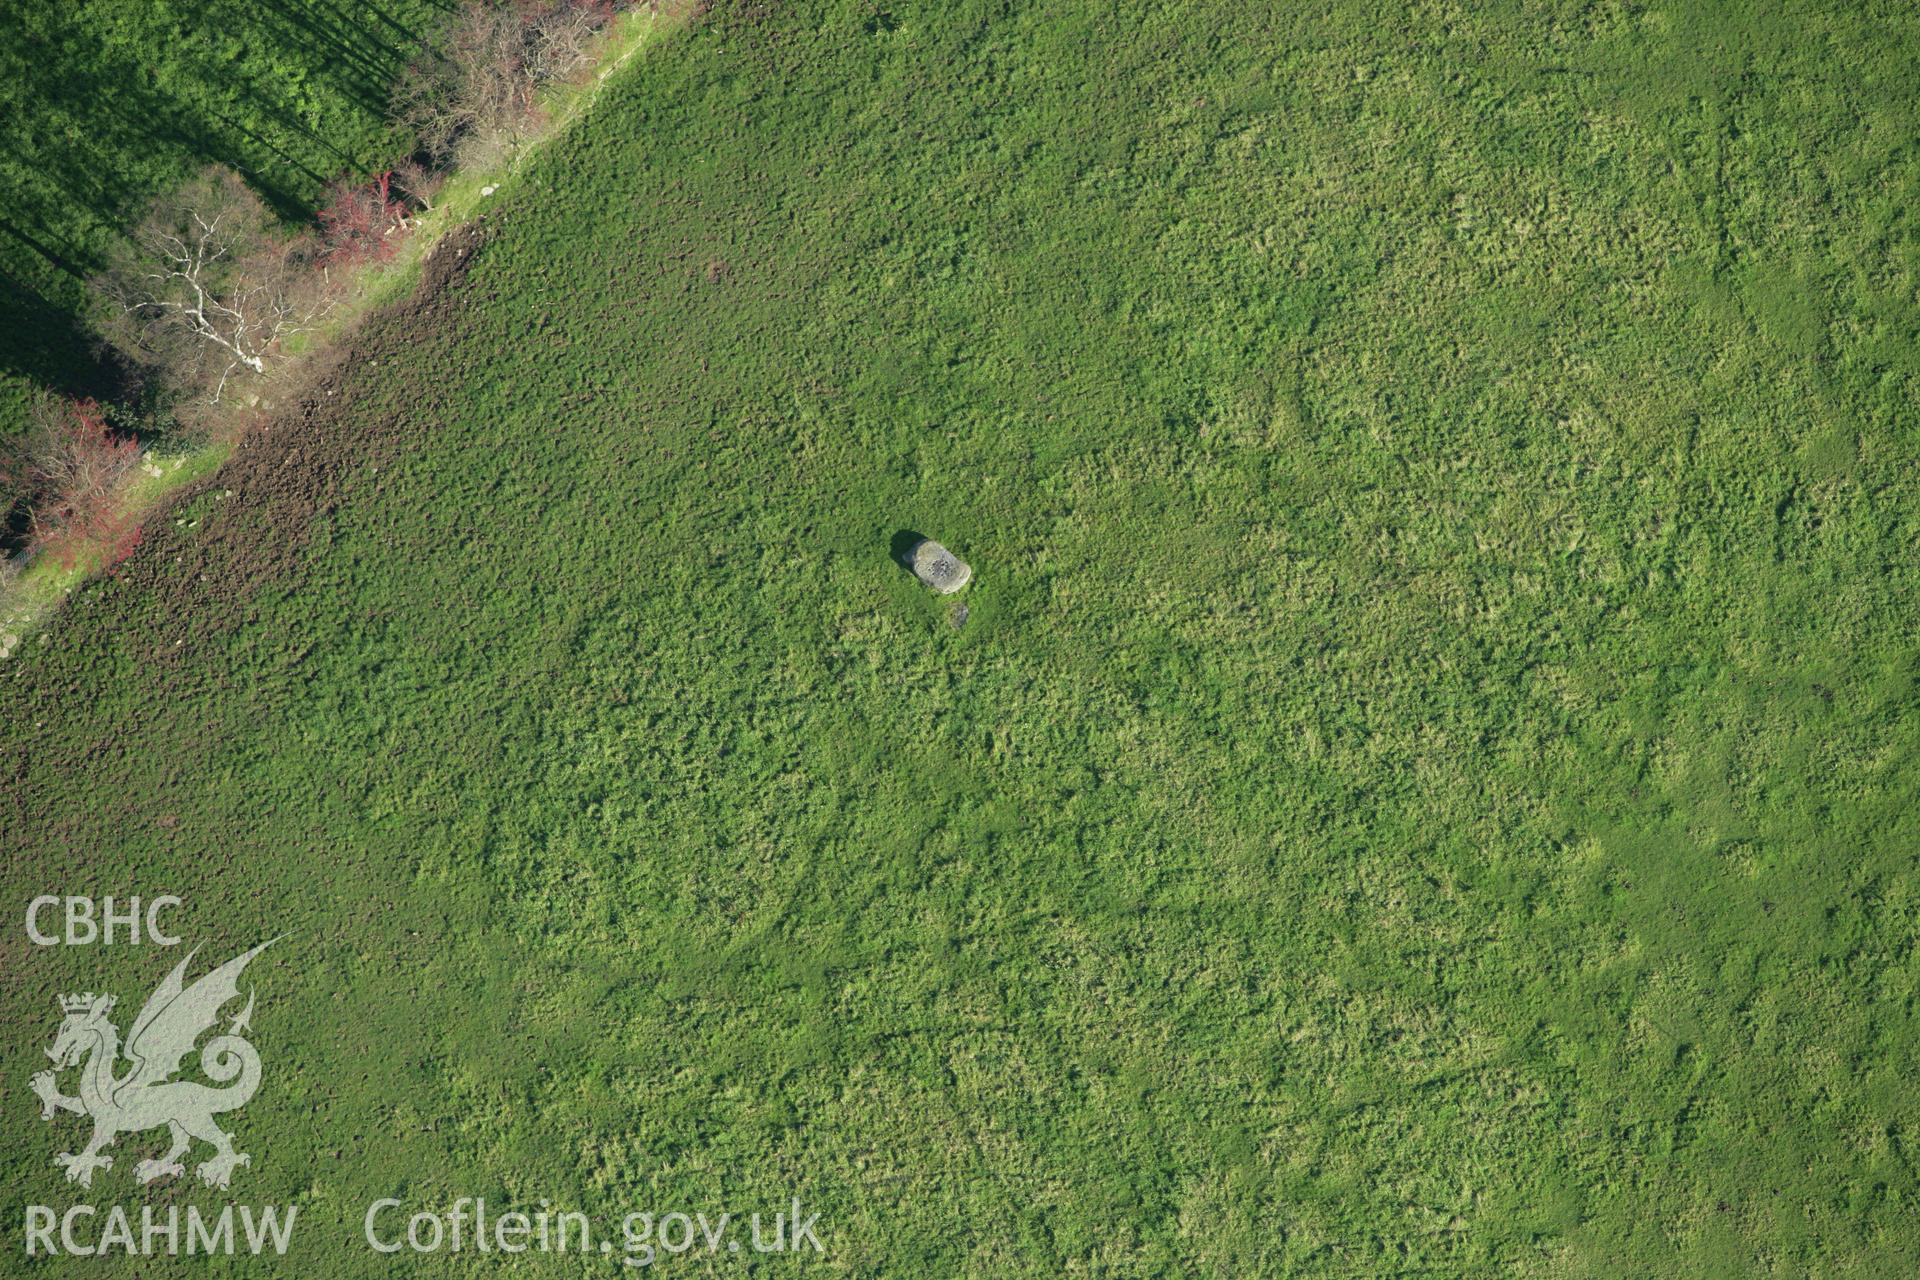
(1426, 787)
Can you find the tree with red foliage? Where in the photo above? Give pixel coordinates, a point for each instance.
(69, 465)
(361, 222)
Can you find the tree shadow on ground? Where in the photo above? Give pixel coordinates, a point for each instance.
(43, 340)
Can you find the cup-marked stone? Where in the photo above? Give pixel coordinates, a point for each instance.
(939, 568)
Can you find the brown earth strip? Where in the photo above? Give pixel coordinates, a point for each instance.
(286, 470)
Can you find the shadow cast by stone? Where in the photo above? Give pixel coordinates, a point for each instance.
(902, 547)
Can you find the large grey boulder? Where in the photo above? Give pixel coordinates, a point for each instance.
(938, 567)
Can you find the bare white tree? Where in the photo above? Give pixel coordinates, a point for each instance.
(209, 287)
